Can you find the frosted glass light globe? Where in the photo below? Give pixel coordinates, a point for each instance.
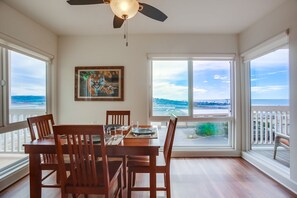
(124, 9)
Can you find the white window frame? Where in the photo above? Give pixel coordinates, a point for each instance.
(10, 44)
(276, 42)
(190, 58)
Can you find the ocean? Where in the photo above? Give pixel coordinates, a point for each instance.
(159, 104)
(22, 102)
(162, 107)
(270, 102)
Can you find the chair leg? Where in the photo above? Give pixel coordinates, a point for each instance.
(167, 185)
(57, 177)
(120, 184)
(129, 183)
(133, 178)
(275, 147)
(125, 170)
(63, 194)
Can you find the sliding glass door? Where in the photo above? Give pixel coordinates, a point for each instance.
(269, 93)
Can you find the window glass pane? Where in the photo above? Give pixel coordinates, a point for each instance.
(270, 79)
(269, 83)
(27, 91)
(170, 88)
(199, 134)
(211, 88)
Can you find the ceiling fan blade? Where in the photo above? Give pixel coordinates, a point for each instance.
(152, 12)
(84, 2)
(117, 22)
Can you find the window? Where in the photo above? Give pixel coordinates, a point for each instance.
(199, 92)
(170, 90)
(23, 87)
(27, 90)
(211, 88)
(269, 88)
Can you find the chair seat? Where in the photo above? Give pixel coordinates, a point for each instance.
(138, 157)
(143, 161)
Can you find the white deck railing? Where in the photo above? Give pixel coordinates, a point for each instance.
(266, 121)
(12, 142)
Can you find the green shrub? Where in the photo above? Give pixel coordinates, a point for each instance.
(210, 129)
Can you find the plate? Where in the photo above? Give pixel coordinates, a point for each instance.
(143, 131)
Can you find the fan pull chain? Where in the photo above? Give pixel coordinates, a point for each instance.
(126, 32)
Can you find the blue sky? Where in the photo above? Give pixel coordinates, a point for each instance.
(269, 78)
(27, 75)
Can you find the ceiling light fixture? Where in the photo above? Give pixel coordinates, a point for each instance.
(124, 9)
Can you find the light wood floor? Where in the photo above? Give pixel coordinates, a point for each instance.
(196, 177)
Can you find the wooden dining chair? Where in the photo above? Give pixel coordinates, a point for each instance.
(86, 175)
(41, 127)
(117, 117)
(140, 164)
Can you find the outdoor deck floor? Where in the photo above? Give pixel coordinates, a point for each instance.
(282, 156)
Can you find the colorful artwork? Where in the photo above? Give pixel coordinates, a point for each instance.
(99, 83)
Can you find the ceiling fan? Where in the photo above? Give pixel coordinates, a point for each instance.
(125, 9)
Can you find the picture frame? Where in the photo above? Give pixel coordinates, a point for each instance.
(99, 83)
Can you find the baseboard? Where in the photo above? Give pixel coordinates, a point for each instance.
(10, 178)
(277, 172)
(224, 152)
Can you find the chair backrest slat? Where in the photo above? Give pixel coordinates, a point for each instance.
(81, 153)
(167, 150)
(118, 117)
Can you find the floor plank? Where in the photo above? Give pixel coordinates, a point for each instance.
(195, 177)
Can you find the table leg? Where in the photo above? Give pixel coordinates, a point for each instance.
(153, 177)
(35, 175)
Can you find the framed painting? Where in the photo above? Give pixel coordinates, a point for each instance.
(99, 83)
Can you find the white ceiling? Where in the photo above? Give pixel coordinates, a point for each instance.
(184, 16)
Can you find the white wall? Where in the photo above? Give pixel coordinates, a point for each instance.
(21, 30)
(110, 51)
(279, 20)
(26, 32)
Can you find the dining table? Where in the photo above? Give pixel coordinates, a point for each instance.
(127, 146)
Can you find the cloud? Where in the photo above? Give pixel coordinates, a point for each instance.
(219, 77)
(277, 72)
(263, 89)
(170, 91)
(28, 90)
